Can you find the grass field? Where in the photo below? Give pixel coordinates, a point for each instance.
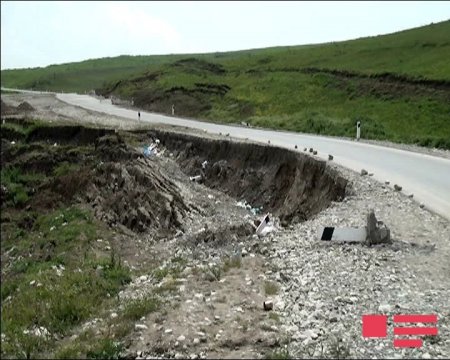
(397, 85)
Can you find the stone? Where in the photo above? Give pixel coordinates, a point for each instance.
(268, 305)
(385, 308)
(311, 334)
(140, 327)
(305, 149)
(196, 341)
(311, 150)
(397, 187)
(411, 196)
(363, 172)
(181, 338)
(168, 331)
(377, 232)
(295, 146)
(422, 205)
(315, 152)
(387, 182)
(330, 157)
(114, 315)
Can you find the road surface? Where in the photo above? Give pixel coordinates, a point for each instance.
(427, 177)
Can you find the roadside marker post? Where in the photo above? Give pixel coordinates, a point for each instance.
(358, 130)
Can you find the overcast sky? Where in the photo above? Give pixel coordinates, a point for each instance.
(39, 33)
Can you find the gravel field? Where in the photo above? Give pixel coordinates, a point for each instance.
(323, 288)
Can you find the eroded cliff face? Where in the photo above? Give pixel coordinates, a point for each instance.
(292, 186)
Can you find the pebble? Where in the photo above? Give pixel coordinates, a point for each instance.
(140, 327)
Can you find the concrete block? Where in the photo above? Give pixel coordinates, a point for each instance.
(345, 234)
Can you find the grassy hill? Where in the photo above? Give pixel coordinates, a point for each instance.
(398, 85)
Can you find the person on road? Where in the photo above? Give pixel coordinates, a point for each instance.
(139, 115)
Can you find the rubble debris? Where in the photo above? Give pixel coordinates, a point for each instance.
(377, 232)
(346, 234)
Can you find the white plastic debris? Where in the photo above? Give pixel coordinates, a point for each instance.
(196, 178)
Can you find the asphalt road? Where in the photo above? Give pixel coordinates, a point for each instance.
(427, 177)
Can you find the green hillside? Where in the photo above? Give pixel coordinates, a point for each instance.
(398, 85)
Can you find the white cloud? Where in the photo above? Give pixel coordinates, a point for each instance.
(143, 26)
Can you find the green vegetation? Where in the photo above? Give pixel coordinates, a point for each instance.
(397, 85)
(231, 262)
(140, 307)
(270, 288)
(278, 354)
(58, 287)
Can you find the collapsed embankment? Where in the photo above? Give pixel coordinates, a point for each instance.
(122, 188)
(293, 186)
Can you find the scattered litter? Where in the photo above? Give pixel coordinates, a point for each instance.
(268, 305)
(244, 204)
(152, 149)
(196, 178)
(264, 221)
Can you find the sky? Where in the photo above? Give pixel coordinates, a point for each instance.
(41, 33)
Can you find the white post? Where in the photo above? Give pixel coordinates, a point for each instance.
(173, 109)
(358, 130)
